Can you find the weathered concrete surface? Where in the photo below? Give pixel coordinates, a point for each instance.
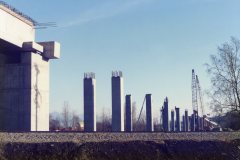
(80, 137)
(128, 110)
(149, 119)
(14, 28)
(89, 104)
(117, 103)
(24, 73)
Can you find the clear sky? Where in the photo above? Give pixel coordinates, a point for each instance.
(155, 43)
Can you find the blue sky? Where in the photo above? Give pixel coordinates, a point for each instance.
(155, 43)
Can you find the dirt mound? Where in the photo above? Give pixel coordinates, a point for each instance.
(139, 150)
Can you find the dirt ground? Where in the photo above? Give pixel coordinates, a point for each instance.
(133, 150)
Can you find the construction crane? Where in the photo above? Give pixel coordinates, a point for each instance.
(194, 93)
(138, 121)
(195, 116)
(199, 93)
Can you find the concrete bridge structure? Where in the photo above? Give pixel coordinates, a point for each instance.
(24, 73)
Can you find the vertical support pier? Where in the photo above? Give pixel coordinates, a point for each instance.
(172, 121)
(186, 121)
(165, 116)
(178, 125)
(117, 102)
(128, 113)
(149, 123)
(89, 102)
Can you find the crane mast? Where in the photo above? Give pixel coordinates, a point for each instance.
(199, 93)
(194, 93)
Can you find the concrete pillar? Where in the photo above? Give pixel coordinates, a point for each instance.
(186, 121)
(197, 125)
(128, 113)
(149, 122)
(117, 102)
(178, 125)
(201, 119)
(165, 115)
(193, 126)
(172, 121)
(89, 86)
(24, 73)
(183, 124)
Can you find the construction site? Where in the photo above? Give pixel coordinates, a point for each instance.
(195, 122)
(24, 110)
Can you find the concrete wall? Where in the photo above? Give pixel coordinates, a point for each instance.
(24, 74)
(18, 94)
(89, 104)
(14, 30)
(117, 104)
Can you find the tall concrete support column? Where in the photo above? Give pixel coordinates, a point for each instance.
(193, 125)
(24, 73)
(165, 119)
(186, 121)
(178, 125)
(172, 121)
(89, 86)
(183, 124)
(128, 113)
(200, 123)
(197, 125)
(149, 122)
(117, 102)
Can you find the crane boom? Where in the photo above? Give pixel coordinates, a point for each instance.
(199, 92)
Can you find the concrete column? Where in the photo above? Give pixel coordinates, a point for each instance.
(172, 121)
(128, 113)
(149, 122)
(178, 125)
(193, 126)
(89, 85)
(183, 124)
(197, 125)
(117, 102)
(177, 119)
(200, 123)
(186, 121)
(165, 116)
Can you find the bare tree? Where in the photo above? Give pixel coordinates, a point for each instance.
(156, 124)
(105, 124)
(66, 115)
(75, 122)
(225, 77)
(134, 115)
(54, 123)
(140, 124)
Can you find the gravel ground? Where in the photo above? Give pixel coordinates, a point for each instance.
(80, 137)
